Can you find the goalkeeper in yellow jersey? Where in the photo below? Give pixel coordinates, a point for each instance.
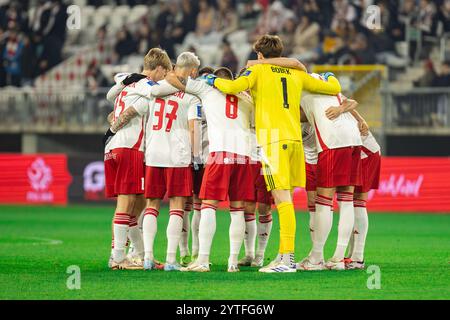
(276, 92)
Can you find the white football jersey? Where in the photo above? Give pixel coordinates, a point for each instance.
(199, 114)
(309, 143)
(228, 118)
(370, 144)
(168, 142)
(132, 134)
(330, 134)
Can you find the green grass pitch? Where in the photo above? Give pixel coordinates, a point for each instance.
(38, 244)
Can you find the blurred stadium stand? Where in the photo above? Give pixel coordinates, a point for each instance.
(53, 79)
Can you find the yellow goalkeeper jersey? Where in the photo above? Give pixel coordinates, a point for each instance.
(276, 92)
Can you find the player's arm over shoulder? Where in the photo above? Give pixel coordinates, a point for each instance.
(243, 83)
(150, 89)
(330, 87)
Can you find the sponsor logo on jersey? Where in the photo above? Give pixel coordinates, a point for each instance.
(247, 73)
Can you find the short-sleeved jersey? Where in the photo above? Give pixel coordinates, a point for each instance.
(132, 134)
(309, 143)
(168, 142)
(276, 93)
(370, 145)
(228, 118)
(199, 115)
(330, 134)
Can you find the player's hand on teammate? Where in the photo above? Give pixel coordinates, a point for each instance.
(333, 112)
(326, 75)
(107, 137)
(209, 79)
(363, 128)
(132, 78)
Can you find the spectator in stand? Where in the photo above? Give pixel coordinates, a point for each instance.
(444, 16)
(165, 26)
(125, 44)
(343, 10)
(428, 75)
(361, 50)
(229, 59)
(144, 39)
(205, 18)
(12, 56)
(425, 21)
(249, 16)
(306, 39)
(288, 35)
(227, 19)
(272, 20)
(188, 21)
(442, 78)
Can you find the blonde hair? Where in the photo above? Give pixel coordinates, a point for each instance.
(188, 60)
(157, 57)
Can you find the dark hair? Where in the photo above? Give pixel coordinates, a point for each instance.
(224, 72)
(205, 70)
(269, 46)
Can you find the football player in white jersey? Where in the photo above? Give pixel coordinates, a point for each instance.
(371, 164)
(338, 144)
(227, 172)
(124, 158)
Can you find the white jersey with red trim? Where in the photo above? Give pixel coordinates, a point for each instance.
(168, 142)
(309, 143)
(370, 145)
(199, 114)
(228, 118)
(132, 134)
(330, 134)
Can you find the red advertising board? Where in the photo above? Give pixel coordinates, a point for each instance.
(408, 184)
(34, 179)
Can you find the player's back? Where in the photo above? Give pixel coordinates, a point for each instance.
(276, 95)
(227, 116)
(167, 131)
(131, 135)
(330, 134)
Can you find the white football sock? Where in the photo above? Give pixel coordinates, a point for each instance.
(323, 222)
(264, 229)
(250, 235)
(361, 228)
(195, 223)
(149, 229)
(236, 233)
(135, 236)
(184, 240)
(173, 232)
(312, 213)
(207, 229)
(121, 222)
(346, 222)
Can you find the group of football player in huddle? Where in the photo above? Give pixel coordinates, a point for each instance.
(200, 137)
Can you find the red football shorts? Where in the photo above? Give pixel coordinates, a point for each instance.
(370, 173)
(339, 167)
(124, 172)
(198, 177)
(311, 177)
(176, 182)
(261, 194)
(227, 174)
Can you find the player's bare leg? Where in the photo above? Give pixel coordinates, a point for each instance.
(124, 208)
(149, 230)
(195, 223)
(322, 226)
(236, 233)
(345, 228)
(250, 233)
(207, 229)
(264, 229)
(286, 212)
(173, 232)
(185, 256)
(359, 231)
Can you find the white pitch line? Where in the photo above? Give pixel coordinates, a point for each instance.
(44, 241)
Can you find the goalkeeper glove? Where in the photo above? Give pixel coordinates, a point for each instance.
(210, 78)
(132, 78)
(107, 137)
(326, 75)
